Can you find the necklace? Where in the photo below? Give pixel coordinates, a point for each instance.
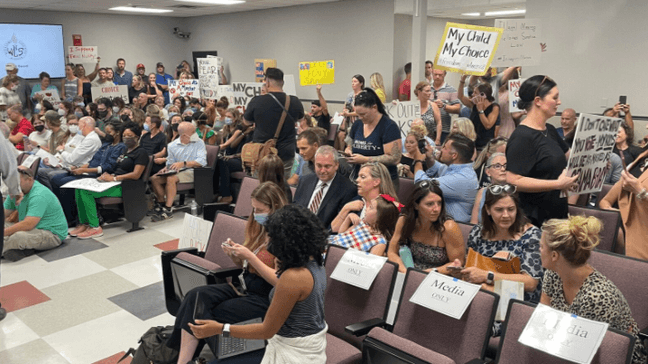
(544, 133)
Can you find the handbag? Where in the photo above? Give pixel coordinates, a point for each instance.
(511, 266)
(252, 153)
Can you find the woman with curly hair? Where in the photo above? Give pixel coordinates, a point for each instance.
(294, 324)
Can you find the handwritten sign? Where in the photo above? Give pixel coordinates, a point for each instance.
(240, 93)
(81, 54)
(208, 75)
(195, 233)
(444, 294)
(260, 66)
(90, 184)
(52, 96)
(514, 94)
(520, 44)
(590, 152)
(467, 48)
(562, 334)
(314, 73)
(403, 113)
(358, 268)
(184, 88)
(111, 92)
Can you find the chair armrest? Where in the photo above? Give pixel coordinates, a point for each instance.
(172, 253)
(363, 328)
(478, 361)
(226, 273)
(643, 334)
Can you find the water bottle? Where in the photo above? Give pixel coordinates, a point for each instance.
(406, 256)
(194, 208)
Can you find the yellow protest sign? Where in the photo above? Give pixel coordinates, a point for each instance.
(313, 73)
(467, 48)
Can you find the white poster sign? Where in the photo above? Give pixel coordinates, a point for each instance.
(111, 92)
(208, 75)
(562, 334)
(514, 94)
(83, 54)
(90, 184)
(590, 153)
(289, 85)
(358, 268)
(195, 233)
(52, 96)
(184, 88)
(507, 290)
(240, 93)
(338, 118)
(403, 113)
(520, 44)
(467, 48)
(447, 295)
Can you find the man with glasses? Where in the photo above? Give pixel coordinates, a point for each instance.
(445, 97)
(452, 169)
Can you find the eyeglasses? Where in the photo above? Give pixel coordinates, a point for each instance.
(435, 94)
(497, 166)
(498, 189)
(498, 139)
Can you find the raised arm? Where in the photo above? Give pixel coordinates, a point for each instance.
(322, 100)
(460, 92)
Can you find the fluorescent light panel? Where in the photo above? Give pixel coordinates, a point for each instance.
(505, 12)
(471, 14)
(214, 2)
(140, 10)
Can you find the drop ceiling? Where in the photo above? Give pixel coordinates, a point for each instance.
(455, 8)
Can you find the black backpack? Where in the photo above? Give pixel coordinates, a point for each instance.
(153, 349)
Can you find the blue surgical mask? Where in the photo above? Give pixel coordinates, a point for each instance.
(261, 218)
(228, 121)
(147, 127)
(78, 114)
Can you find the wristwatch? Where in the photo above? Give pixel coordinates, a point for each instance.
(490, 277)
(480, 111)
(226, 330)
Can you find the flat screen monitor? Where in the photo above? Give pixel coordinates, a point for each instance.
(34, 48)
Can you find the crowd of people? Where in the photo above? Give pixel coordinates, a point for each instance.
(503, 172)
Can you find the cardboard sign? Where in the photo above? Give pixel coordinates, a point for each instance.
(590, 153)
(520, 44)
(507, 290)
(514, 94)
(90, 184)
(358, 268)
(111, 92)
(562, 334)
(403, 113)
(316, 73)
(260, 66)
(184, 88)
(467, 48)
(81, 54)
(241, 93)
(208, 75)
(52, 96)
(444, 294)
(195, 233)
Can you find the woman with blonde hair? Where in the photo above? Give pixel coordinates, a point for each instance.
(464, 127)
(430, 112)
(412, 145)
(376, 82)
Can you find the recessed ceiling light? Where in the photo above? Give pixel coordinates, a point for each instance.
(140, 10)
(505, 12)
(214, 2)
(471, 14)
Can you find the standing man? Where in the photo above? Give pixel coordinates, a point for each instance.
(428, 71)
(102, 81)
(567, 122)
(141, 71)
(404, 89)
(319, 111)
(123, 77)
(23, 90)
(162, 80)
(9, 172)
(445, 96)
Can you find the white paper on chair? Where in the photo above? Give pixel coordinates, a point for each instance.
(52, 160)
(195, 233)
(29, 161)
(358, 268)
(90, 184)
(507, 290)
(447, 295)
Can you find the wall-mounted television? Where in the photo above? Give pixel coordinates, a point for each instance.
(34, 48)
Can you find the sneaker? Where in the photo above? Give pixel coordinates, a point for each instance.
(91, 233)
(78, 230)
(165, 214)
(157, 209)
(14, 255)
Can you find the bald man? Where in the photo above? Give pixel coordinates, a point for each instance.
(185, 153)
(567, 122)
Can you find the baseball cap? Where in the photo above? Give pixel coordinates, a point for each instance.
(141, 66)
(10, 67)
(159, 64)
(50, 115)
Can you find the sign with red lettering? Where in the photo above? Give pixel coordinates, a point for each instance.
(81, 54)
(111, 92)
(514, 94)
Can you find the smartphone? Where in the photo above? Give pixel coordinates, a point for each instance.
(421, 145)
(345, 154)
(227, 243)
(623, 99)
(455, 269)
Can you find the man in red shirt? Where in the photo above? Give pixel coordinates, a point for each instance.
(20, 126)
(405, 87)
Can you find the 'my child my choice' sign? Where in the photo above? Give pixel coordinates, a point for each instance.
(446, 295)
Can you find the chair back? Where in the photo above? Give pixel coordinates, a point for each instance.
(212, 155)
(616, 347)
(34, 166)
(147, 171)
(604, 191)
(405, 188)
(583, 199)
(611, 224)
(462, 340)
(465, 230)
(243, 206)
(225, 226)
(332, 132)
(346, 304)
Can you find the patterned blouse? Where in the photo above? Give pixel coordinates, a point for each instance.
(598, 299)
(427, 256)
(360, 237)
(430, 123)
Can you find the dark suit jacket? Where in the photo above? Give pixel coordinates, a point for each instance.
(341, 191)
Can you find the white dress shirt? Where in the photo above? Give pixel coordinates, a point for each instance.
(83, 153)
(317, 188)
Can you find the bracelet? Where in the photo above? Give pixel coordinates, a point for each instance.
(114, 178)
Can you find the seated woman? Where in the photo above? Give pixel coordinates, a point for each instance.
(413, 141)
(236, 133)
(222, 302)
(464, 127)
(130, 166)
(495, 170)
(203, 130)
(571, 285)
(624, 146)
(294, 324)
(433, 238)
(40, 137)
(497, 145)
(271, 169)
(373, 180)
(372, 233)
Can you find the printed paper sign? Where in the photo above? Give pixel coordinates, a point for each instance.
(338, 118)
(562, 334)
(358, 268)
(590, 152)
(111, 92)
(83, 54)
(520, 44)
(316, 73)
(403, 113)
(444, 294)
(514, 94)
(51, 159)
(52, 96)
(467, 48)
(208, 75)
(195, 233)
(184, 88)
(240, 93)
(289, 85)
(90, 184)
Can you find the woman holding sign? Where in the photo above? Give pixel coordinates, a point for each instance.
(571, 285)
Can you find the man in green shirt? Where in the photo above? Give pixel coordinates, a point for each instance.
(41, 223)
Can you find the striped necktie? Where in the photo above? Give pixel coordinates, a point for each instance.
(314, 206)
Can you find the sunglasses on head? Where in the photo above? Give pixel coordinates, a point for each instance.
(499, 189)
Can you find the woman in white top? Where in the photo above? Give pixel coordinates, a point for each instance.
(40, 136)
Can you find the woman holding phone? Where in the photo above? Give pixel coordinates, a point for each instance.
(485, 114)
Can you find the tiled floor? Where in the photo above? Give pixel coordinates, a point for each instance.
(87, 301)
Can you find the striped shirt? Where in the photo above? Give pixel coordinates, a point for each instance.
(449, 96)
(194, 151)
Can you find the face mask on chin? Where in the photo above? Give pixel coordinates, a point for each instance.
(194, 137)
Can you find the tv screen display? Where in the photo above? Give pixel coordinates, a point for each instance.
(34, 48)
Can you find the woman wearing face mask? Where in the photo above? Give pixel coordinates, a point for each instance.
(118, 105)
(237, 132)
(130, 166)
(8, 95)
(203, 130)
(172, 129)
(154, 142)
(64, 110)
(40, 136)
(73, 136)
(71, 85)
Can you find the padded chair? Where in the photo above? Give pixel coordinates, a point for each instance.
(611, 224)
(332, 132)
(185, 269)
(583, 199)
(432, 337)
(616, 347)
(243, 206)
(203, 184)
(35, 164)
(405, 188)
(346, 305)
(133, 200)
(604, 191)
(465, 230)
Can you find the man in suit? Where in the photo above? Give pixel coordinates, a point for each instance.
(325, 191)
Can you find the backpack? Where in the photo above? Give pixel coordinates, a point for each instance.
(152, 348)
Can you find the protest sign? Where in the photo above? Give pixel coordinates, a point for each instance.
(240, 93)
(444, 294)
(52, 96)
(514, 94)
(184, 88)
(467, 48)
(358, 268)
(563, 334)
(520, 44)
(316, 73)
(195, 233)
(90, 184)
(83, 54)
(403, 113)
(289, 85)
(111, 92)
(208, 75)
(260, 66)
(590, 152)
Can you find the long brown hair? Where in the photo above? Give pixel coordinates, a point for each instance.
(421, 190)
(271, 169)
(386, 217)
(489, 228)
(269, 194)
